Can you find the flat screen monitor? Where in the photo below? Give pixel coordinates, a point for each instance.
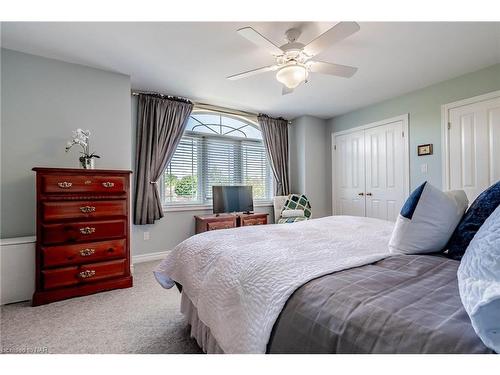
(232, 199)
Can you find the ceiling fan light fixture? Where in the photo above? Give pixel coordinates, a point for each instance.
(292, 75)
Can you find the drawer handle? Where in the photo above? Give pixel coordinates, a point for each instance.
(87, 230)
(64, 184)
(87, 209)
(221, 227)
(86, 274)
(87, 252)
(108, 184)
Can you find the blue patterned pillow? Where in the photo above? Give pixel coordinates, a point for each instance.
(475, 216)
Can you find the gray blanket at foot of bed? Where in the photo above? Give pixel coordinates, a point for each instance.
(402, 304)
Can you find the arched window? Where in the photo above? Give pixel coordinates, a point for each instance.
(217, 149)
(224, 125)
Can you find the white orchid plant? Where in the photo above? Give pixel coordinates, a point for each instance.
(82, 138)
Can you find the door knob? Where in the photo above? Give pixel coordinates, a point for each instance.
(361, 193)
(369, 194)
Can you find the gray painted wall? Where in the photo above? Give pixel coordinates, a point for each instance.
(43, 101)
(424, 107)
(308, 163)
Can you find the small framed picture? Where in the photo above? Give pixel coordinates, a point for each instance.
(424, 149)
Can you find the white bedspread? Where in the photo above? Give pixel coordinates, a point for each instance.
(240, 279)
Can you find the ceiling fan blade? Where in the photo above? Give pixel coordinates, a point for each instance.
(260, 40)
(338, 32)
(252, 72)
(285, 90)
(332, 69)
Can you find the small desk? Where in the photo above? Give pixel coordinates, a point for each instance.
(225, 221)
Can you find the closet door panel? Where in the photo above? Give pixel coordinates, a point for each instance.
(384, 153)
(474, 147)
(350, 174)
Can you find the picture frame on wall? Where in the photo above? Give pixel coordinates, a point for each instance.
(423, 150)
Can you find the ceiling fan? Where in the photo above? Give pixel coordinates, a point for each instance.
(294, 59)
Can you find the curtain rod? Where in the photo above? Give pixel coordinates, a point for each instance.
(204, 105)
(208, 107)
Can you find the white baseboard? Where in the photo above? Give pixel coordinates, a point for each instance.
(149, 257)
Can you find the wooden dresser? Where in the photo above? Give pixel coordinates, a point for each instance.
(226, 221)
(82, 232)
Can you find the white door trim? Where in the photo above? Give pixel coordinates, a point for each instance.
(405, 119)
(445, 145)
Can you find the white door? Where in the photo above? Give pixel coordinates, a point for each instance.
(385, 170)
(370, 175)
(474, 146)
(350, 174)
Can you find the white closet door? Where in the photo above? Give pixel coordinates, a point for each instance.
(385, 170)
(474, 146)
(350, 174)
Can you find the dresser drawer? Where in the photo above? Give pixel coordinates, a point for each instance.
(66, 255)
(88, 273)
(54, 211)
(62, 184)
(214, 225)
(83, 231)
(253, 221)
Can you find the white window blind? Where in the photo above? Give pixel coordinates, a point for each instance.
(256, 170)
(221, 164)
(181, 174)
(205, 158)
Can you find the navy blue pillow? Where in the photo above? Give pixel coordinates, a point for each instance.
(412, 202)
(472, 220)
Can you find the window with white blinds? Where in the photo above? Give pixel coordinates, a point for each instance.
(181, 175)
(217, 149)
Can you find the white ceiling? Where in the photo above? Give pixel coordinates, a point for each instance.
(192, 59)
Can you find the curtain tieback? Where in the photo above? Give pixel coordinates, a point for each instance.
(153, 182)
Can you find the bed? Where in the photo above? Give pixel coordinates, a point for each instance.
(327, 285)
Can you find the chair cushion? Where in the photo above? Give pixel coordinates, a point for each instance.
(479, 281)
(475, 216)
(426, 221)
(292, 213)
(298, 202)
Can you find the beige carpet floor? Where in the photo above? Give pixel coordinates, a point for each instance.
(141, 319)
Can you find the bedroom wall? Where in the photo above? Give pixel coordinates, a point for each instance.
(43, 101)
(308, 162)
(424, 107)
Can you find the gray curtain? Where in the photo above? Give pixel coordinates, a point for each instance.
(275, 135)
(160, 124)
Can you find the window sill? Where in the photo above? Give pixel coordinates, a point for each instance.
(204, 207)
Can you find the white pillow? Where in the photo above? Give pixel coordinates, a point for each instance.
(460, 198)
(292, 213)
(479, 281)
(427, 220)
